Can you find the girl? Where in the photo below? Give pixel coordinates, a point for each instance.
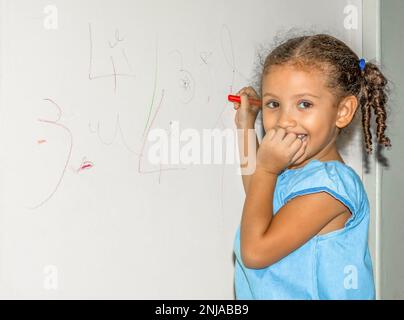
(304, 227)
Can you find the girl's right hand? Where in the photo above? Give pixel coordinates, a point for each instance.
(246, 114)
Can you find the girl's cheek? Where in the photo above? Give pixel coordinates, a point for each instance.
(268, 125)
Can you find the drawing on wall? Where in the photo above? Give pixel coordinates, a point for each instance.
(117, 129)
(114, 64)
(56, 123)
(114, 51)
(185, 80)
(85, 165)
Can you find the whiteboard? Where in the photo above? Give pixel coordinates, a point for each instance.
(83, 214)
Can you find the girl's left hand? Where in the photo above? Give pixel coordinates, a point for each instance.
(279, 150)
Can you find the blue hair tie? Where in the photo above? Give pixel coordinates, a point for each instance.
(362, 64)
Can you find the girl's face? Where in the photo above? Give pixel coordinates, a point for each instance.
(299, 102)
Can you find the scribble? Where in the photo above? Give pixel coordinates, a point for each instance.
(85, 165)
(231, 61)
(126, 58)
(187, 83)
(205, 56)
(41, 141)
(117, 129)
(154, 91)
(117, 40)
(144, 144)
(226, 42)
(149, 123)
(186, 80)
(60, 125)
(115, 73)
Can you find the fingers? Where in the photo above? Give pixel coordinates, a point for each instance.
(286, 138)
(244, 93)
(249, 91)
(280, 134)
(236, 104)
(291, 140)
(244, 100)
(300, 152)
(292, 145)
(271, 133)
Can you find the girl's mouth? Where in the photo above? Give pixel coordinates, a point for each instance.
(302, 137)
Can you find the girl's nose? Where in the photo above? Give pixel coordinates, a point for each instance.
(286, 119)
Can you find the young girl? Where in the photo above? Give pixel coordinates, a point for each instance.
(304, 227)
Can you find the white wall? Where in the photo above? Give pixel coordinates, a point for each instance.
(383, 39)
(392, 200)
(111, 231)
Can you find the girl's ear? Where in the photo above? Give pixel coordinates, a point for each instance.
(346, 111)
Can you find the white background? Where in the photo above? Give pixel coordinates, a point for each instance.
(111, 231)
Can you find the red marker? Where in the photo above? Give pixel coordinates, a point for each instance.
(254, 102)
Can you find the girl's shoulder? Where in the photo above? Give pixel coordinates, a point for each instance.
(334, 177)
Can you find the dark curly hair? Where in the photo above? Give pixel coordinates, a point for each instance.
(333, 57)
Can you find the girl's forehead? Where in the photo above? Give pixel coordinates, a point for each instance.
(281, 77)
(287, 70)
(289, 83)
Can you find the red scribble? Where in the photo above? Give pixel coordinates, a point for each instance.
(85, 165)
(56, 123)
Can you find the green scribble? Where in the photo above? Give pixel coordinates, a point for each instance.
(154, 91)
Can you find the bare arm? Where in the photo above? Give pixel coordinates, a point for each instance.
(265, 238)
(247, 137)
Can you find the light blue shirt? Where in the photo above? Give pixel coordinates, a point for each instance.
(336, 265)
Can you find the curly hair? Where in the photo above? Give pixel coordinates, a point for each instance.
(344, 76)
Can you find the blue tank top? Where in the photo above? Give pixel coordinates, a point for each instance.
(336, 265)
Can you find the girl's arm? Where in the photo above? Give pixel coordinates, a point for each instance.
(247, 138)
(266, 239)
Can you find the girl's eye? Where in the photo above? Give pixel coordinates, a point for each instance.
(306, 104)
(269, 104)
